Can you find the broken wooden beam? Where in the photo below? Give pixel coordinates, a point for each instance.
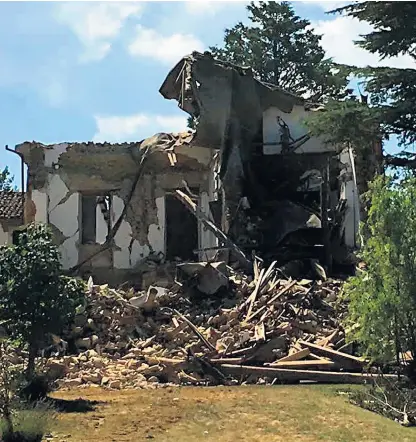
(239, 255)
(228, 361)
(343, 359)
(295, 356)
(303, 364)
(196, 331)
(253, 296)
(288, 375)
(271, 301)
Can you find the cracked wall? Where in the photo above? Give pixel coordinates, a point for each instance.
(69, 171)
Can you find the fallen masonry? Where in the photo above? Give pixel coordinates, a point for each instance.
(264, 329)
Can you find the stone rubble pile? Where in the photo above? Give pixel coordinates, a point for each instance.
(260, 328)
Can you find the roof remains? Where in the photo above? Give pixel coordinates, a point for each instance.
(11, 205)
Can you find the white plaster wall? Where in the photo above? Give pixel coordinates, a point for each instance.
(271, 134)
(57, 191)
(271, 131)
(56, 206)
(130, 253)
(40, 200)
(63, 214)
(100, 225)
(349, 192)
(156, 234)
(53, 153)
(206, 237)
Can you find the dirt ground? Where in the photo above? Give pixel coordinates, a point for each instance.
(248, 414)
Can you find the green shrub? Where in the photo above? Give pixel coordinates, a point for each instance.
(30, 423)
(35, 299)
(382, 298)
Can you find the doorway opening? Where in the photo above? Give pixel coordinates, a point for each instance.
(181, 229)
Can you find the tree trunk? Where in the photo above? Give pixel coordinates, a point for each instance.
(7, 416)
(33, 350)
(275, 63)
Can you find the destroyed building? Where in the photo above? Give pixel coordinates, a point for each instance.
(250, 167)
(110, 206)
(284, 193)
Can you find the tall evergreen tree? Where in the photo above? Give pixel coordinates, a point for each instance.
(392, 91)
(282, 49)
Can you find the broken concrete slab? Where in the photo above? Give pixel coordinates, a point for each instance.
(212, 276)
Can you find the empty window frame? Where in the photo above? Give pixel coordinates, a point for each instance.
(89, 204)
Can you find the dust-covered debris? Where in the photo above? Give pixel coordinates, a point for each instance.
(265, 328)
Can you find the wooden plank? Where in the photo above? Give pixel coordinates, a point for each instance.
(230, 361)
(196, 331)
(284, 374)
(253, 296)
(241, 352)
(281, 292)
(329, 339)
(343, 359)
(325, 195)
(296, 356)
(303, 364)
(256, 270)
(171, 159)
(314, 356)
(260, 332)
(239, 255)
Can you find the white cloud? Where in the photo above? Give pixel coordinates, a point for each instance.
(96, 24)
(205, 7)
(54, 92)
(326, 5)
(166, 49)
(135, 127)
(338, 36)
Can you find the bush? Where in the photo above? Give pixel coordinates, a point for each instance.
(382, 298)
(19, 421)
(30, 423)
(35, 299)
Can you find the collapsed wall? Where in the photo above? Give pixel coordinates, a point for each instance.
(108, 204)
(278, 184)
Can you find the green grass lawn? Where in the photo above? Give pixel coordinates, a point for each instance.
(249, 414)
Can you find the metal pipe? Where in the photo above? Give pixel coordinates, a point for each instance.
(22, 173)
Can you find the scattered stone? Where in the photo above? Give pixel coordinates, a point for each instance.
(128, 339)
(71, 383)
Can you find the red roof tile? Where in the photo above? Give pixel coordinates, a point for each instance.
(11, 206)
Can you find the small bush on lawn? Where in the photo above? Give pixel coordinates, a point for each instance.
(30, 423)
(19, 421)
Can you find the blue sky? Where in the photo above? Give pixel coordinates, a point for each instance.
(91, 71)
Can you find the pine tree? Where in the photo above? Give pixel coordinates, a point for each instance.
(392, 91)
(283, 50)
